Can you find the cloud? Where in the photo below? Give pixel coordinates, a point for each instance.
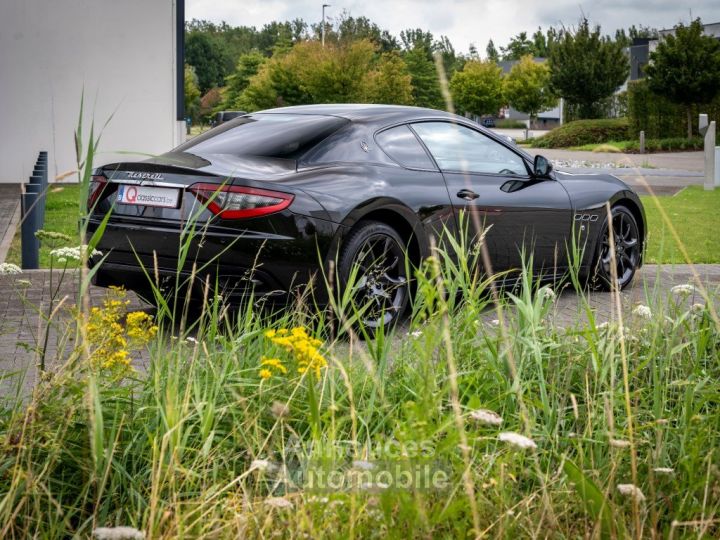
(463, 21)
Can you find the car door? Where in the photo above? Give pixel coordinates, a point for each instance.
(491, 183)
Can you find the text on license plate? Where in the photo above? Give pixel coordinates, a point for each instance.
(148, 196)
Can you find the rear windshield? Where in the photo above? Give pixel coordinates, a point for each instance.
(269, 135)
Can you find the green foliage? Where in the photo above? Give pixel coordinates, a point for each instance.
(192, 93)
(491, 52)
(659, 117)
(247, 67)
(206, 56)
(685, 68)
(390, 83)
(507, 123)
(582, 132)
(518, 47)
(527, 87)
(478, 88)
(310, 73)
(586, 68)
(424, 78)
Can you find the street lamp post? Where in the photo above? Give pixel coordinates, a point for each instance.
(323, 23)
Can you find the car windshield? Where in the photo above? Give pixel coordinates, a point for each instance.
(273, 135)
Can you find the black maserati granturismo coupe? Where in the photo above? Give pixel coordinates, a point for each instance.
(276, 197)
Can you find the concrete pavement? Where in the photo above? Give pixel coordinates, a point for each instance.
(22, 326)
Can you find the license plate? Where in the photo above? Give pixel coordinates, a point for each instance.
(148, 196)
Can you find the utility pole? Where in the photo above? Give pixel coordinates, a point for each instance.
(323, 23)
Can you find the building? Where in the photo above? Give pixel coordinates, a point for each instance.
(639, 51)
(126, 58)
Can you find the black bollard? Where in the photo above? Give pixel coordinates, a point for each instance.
(37, 180)
(29, 243)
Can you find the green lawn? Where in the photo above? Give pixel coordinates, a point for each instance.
(61, 215)
(694, 213)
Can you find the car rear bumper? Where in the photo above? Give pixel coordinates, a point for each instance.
(237, 264)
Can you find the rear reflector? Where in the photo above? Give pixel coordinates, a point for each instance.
(240, 202)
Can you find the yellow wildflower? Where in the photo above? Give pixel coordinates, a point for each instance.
(304, 348)
(265, 373)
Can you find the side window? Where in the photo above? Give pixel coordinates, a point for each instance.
(401, 144)
(458, 148)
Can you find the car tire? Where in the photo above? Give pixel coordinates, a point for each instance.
(628, 246)
(380, 283)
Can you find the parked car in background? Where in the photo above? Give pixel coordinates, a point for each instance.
(488, 122)
(224, 116)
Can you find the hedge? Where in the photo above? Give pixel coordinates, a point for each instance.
(582, 132)
(658, 117)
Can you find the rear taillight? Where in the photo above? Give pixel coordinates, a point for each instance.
(239, 202)
(97, 185)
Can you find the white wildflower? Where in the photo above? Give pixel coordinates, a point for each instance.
(495, 322)
(262, 465)
(547, 293)
(619, 443)
(191, 339)
(416, 334)
(23, 282)
(74, 253)
(278, 502)
(663, 470)
(485, 416)
(373, 486)
(517, 440)
(280, 409)
(697, 308)
(9, 268)
(683, 290)
(118, 533)
(632, 491)
(363, 465)
(642, 311)
(603, 325)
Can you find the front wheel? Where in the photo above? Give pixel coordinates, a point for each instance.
(372, 263)
(620, 258)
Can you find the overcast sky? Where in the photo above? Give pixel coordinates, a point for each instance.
(463, 21)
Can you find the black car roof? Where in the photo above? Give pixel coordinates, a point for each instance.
(363, 112)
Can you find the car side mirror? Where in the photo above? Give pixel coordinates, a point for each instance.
(541, 167)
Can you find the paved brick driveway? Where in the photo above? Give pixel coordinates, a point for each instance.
(20, 321)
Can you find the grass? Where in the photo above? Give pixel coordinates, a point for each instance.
(61, 215)
(675, 144)
(694, 214)
(451, 428)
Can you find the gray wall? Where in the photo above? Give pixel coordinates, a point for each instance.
(122, 53)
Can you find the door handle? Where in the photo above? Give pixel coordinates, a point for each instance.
(467, 194)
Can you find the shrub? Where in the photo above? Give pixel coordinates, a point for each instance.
(658, 117)
(585, 132)
(507, 123)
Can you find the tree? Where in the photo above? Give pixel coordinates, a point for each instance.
(540, 44)
(206, 57)
(192, 93)
(586, 68)
(518, 47)
(685, 68)
(478, 88)
(424, 78)
(527, 87)
(492, 52)
(390, 83)
(310, 73)
(247, 67)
